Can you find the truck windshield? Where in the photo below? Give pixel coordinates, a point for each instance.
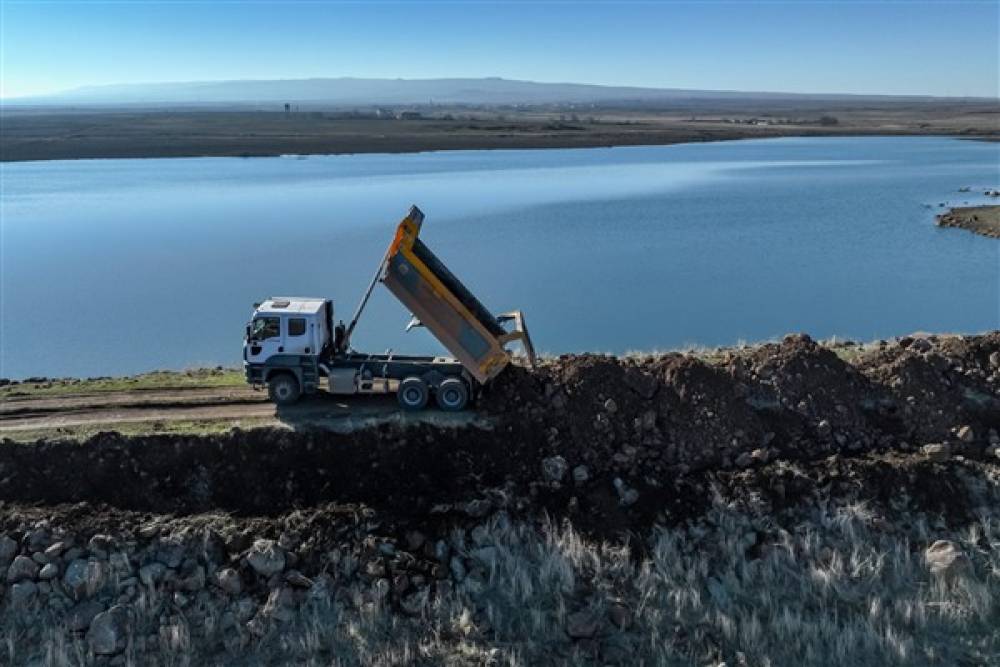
(265, 327)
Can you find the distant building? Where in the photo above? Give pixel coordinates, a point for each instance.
(409, 115)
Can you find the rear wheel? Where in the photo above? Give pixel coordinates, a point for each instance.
(452, 395)
(413, 394)
(283, 388)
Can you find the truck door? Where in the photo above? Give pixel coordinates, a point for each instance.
(266, 338)
(299, 336)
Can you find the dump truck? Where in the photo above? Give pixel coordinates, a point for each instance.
(292, 344)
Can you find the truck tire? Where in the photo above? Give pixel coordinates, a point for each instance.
(412, 394)
(452, 395)
(283, 389)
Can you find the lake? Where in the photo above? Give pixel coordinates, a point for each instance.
(119, 266)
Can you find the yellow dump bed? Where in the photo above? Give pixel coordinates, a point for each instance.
(443, 304)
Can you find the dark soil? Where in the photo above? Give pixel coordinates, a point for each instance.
(781, 420)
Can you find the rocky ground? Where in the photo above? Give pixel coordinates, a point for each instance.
(983, 220)
(785, 503)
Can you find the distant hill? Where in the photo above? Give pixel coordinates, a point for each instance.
(394, 92)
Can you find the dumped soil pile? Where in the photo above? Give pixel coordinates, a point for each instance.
(604, 436)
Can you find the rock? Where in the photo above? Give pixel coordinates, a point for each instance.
(49, 571)
(100, 545)
(280, 605)
(80, 616)
(994, 451)
(8, 549)
(945, 559)
(823, 429)
(414, 603)
(620, 615)
(415, 540)
(22, 568)
(457, 568)
(554, 468)
(478, 508)
(582, 625)
(108, 633)
(23, 593)
(581, 474)
(195, 581)
(937, 451)
(297, 579)
(55, 550)
(152, 573)
(611, 406)
(84, 578)
(921, 345)
(266, 557)
(965, 434)
(760, 455)
(228, 580)
(995, 359)
(626, 495)
(485, 555)
(744, 460)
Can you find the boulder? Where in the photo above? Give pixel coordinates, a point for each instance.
(84, 578)
(108, 633)
(266, 557)
(21, 569)
(49, 571)
(965, 434)
(151, 573)
(581, 474)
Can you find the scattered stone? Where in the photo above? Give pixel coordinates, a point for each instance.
(945, 559)
(581, 474)
(150, 574)
(80, 616)
(965, 434)
(83, 578)
(108, 633)
(582, 625)
(620, 615)
(937, 451)
(49, 571)
(22, 568)
(824, 429)
(626, 495)
(229, 581)
(744, 460)
(611, 406)
(297, 579)
(415, 540)
(554, 468)
(23, 593)
(457, 568)
(266, 557)
(478, 508)
(8, 549)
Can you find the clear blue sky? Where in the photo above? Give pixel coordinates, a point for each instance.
(893, 47)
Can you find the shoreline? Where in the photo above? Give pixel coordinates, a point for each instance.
(223, 134)
(983, 220)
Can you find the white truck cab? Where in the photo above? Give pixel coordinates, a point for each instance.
(288, 325)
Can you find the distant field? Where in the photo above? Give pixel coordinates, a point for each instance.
(67, 134)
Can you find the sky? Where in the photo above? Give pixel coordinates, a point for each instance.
(805, 46)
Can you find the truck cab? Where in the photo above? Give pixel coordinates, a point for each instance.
(288, 335)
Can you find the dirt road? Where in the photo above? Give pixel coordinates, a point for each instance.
(201, 409)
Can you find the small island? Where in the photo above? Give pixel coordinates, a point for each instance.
(983, 220)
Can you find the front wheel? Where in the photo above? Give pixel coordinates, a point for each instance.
(412, 394)
(452, 395)
(283, 389)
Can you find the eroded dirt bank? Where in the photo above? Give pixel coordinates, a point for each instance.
(230, 547)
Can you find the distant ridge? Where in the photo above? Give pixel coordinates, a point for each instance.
(348, 91)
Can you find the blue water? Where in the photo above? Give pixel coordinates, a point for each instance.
(120, 266)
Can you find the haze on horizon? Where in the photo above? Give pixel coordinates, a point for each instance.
(947, 49)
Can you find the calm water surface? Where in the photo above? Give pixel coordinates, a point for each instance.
(120, 266)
